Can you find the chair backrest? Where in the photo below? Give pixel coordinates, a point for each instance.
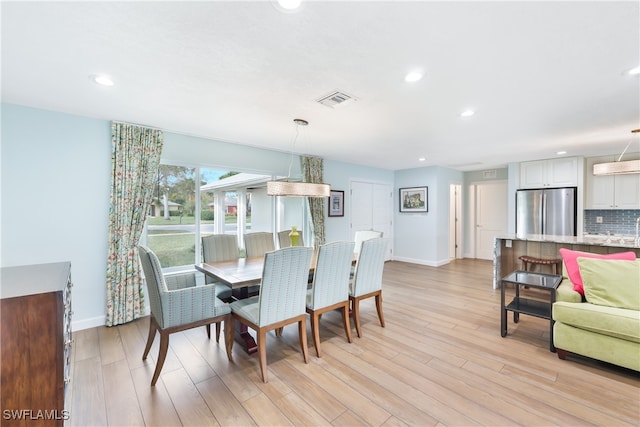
(155, 281)
(283, 291)
(219, 247)
(285, 242)
(258, 243)
(363, 235)
(331, 276)
(367, 276)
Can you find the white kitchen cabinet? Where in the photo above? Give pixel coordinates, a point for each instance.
(562, 172)
(612, 191)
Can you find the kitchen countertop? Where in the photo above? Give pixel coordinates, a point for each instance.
(616, 241)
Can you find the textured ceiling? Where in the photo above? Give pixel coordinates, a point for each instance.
(542, 76)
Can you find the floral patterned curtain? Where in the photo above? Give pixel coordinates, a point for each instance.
(135, 161)
(312, 169)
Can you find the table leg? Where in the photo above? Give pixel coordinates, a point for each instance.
(243, 337)
(516, 315)
(503, 312)
(552, 298)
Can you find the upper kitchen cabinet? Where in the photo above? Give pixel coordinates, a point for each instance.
(562, 172)
(612, 191)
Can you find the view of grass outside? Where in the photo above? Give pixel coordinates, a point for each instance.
(176, 247)
(172, 226)
(173, 249)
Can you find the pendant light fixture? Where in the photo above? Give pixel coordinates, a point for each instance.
(288, 188)
(618, 167)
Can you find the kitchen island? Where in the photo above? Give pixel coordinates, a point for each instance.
(509, 247)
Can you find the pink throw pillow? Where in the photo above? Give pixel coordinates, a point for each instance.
(570, 259)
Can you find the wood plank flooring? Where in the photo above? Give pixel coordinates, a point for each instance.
(439, 361)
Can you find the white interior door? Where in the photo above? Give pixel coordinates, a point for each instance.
(491, 216)
(372, 209)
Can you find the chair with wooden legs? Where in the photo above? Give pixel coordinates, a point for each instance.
(362, 235)
(367, 279)
(178, 304)
(330, 287)
(281, 300)
(258, 243)
(220, 247)
(284, 241)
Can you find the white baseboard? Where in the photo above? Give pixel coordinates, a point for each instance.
(422, 262)
(80, 324)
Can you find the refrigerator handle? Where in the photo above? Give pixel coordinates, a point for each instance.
(544, 213)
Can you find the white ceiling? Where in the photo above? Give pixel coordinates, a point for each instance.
(542, 76)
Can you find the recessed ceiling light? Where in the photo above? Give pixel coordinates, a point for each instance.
(422, 159)
(413, 76)
(560, 153)
(467, 113)
(289, 4)
(634, 71)
(102, 80)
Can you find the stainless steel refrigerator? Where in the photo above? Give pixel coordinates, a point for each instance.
(549, 211)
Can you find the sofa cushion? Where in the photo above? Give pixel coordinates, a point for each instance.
(613, 283)
(565, 292)
(616, 322)
(573, 270)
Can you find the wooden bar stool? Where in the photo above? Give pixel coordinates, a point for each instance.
(554, 263)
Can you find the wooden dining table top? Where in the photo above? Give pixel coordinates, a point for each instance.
(241, 272)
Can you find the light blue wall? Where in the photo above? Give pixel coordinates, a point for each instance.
(193, 151)
(55, 197)
(423, 238)
(56, 171)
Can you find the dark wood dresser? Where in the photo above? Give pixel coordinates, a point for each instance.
(35, 340)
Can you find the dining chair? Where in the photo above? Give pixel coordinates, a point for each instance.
(330, 287)
(178, 304)
(220, 247)
(281, 300)
(258, 243)
(367, 278)
(284, 241)
(362, 235)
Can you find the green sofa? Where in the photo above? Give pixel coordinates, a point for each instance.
(605, 323)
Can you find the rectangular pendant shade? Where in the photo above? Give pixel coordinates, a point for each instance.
(617, 168)
(297, 189)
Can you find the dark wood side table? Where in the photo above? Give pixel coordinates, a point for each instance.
(532, 307)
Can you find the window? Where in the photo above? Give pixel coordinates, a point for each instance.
(222, 202)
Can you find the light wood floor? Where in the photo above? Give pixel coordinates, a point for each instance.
(440, 360)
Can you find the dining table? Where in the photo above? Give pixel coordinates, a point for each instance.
(241, 274)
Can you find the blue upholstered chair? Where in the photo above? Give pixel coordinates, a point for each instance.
(362, 235)
(367, 278)
(281, 301)
(330, 287)
(284, 240)
(220, 247)
(258, 243)
(178, 304)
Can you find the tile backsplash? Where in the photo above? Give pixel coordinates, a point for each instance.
(615, 221)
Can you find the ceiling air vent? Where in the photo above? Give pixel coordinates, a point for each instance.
(335, 98)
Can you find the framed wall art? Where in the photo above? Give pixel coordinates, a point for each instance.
(414, 199)
(336, 203)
